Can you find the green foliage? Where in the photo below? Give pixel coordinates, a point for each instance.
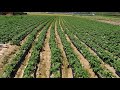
(20, 55)
(35, 54)
(78, 70)
(93, 60)
(55, 55)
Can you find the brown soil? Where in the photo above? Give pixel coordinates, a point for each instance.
(20, 71)
(43, 70)
(103, 64)
(111, 69)
(83, 61)
(110, 22)
(66, 71)
(23, 41)
(87, 47)
(24, 64)
(6, 52)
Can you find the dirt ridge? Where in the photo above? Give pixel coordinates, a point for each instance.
(83, 61)
(43, 70)
(66, 71)
(103, 64)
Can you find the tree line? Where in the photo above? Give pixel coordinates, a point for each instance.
(13, 13)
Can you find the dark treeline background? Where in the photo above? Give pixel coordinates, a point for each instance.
(79, 13)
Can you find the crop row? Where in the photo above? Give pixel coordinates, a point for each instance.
(16, 40)
(20, 55)
(77, 68)
(55, 70)
(106, 56)
(35, 54)
(105, 35)
(93, 60)
(12, 26)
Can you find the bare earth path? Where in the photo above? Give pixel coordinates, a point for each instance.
(66, 71)
(83, 61)
(110, 22)
(103, 64)
(24, 64)
(6, 53)
(23, 41)
(43, 70)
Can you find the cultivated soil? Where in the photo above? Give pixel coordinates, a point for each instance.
(66, 70)
(103, 64)
(83, 61)
(45, 56)
(6, 53)
(110, 22)
(24, 64)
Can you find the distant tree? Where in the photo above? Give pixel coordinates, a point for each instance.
(108, 13)
(12, 13)
(19, 13)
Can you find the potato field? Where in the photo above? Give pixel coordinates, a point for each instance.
(53, 46)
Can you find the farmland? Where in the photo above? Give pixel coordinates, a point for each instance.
(59, 46)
